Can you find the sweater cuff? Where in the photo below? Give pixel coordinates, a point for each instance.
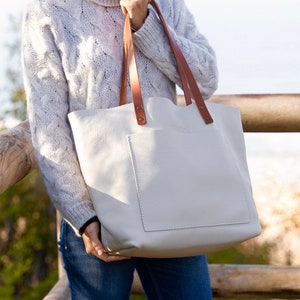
(149, 33)
(86, 224)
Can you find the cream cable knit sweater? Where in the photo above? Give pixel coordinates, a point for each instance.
(71, 52)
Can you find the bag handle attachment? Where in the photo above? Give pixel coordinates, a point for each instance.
(189, 84)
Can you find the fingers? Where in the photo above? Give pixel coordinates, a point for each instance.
(123, 10)
(134, 5)
(110, 258)
(93, 245)
(137, 11)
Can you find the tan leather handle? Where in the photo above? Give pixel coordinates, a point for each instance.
(188, 81)
(130, 62)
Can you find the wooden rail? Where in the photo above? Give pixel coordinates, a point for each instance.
(266, 113)
(228, 281)
(260, 113)
(16, 155)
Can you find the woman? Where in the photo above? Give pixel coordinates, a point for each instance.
(72, 53)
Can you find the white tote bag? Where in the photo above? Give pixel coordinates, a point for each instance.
(165, 180)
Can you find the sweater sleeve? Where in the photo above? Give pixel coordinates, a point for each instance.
(152, 42)
(47, 107)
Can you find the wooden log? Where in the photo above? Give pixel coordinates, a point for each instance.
(16, 155)
(227, 281)
(60, 290)
(282, 282)
(265, 113)
(260, 113)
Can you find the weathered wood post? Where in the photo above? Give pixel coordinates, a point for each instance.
(16, 155)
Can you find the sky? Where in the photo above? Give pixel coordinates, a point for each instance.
(257, 43)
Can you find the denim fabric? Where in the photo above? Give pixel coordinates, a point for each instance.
(162, 279)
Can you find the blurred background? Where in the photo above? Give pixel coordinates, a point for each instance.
(257, 45)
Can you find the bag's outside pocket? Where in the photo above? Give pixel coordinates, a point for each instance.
(186, 180)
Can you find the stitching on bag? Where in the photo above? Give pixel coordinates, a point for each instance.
(133, 162)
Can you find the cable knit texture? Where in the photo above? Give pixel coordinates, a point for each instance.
(71, 54)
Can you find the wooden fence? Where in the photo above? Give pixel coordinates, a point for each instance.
(260, 113)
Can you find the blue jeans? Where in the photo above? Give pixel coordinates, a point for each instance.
(162, 279)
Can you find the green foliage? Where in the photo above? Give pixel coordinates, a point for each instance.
(137, 297)
(249, 252)
(28, 250)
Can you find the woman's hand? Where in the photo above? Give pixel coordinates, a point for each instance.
(94, 246)
(137, 10)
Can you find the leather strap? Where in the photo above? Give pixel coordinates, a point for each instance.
(129, 57)
(189, 84)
